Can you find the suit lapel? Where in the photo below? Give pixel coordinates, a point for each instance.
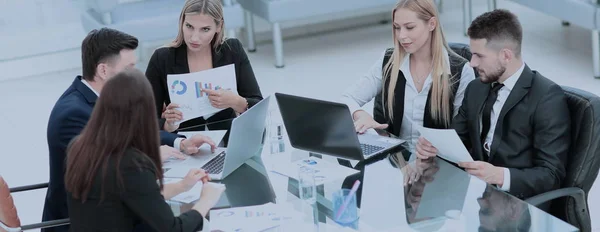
(516, 95)
(180, 65)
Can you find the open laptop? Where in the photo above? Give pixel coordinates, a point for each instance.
(245, 141)
(327, 128)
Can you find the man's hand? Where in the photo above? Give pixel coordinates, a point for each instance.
(190, 145)
(425, 149)
(484, 171)
(167, 152)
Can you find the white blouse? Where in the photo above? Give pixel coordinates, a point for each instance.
(369, 85)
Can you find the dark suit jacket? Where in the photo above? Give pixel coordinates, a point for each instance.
(123, 207)
(532, 135)
(168, 60)
(67, 119)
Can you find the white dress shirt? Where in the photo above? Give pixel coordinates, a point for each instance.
(503, 94)
(369, 85)
(177, 141)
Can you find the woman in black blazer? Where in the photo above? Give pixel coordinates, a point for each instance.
(200, 46)
(114, 172)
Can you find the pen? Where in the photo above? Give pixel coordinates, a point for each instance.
(347, 200)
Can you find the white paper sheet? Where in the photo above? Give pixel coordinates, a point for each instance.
(447, 142)
(325, 171)
(186, 197)
(252, 218)
(185, 89)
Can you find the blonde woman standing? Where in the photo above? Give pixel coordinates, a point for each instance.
(418, 81)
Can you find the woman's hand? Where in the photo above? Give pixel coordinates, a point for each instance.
(363, 121)
(172, 115)
(211, 193)
(222, 99)
(192, 178)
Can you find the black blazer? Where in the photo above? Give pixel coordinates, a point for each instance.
(67, 119)
(532, 135)
(138, 201)
(168, 60)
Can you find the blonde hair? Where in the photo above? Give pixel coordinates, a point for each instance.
(441, 76)
(212, 8)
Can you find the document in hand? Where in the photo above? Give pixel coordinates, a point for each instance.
(324, 171)
(185, 197)
(447, 142)
(186, 89)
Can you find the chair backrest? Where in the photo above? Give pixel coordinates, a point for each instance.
(462, 49)
(583, 160)
(8, 212)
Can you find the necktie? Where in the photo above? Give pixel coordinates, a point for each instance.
(486, 119)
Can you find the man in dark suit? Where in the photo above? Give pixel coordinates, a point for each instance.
(513, 120)
(105, 53)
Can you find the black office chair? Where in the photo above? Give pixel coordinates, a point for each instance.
(461, 49)
(583, 162)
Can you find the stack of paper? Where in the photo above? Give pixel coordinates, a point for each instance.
(252, 218)
(324, 171)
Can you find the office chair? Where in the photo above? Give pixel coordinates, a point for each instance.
(583, 162)
(9, 220)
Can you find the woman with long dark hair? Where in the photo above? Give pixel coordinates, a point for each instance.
(114, 171)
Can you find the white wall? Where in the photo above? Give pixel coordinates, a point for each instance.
(42, 36)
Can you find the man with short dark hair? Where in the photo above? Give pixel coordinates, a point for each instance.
(104, 53)
(514, 121)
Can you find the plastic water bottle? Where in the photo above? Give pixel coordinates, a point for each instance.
(277, 144)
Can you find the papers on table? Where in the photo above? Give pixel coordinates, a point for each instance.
(185, 197)
(324, 171)
(447, 142)
(186, 89)
(252, 218)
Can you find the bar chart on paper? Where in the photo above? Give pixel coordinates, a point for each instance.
(199, 86)
(186, 90)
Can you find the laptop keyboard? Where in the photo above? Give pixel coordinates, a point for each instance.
(368, 149)
(215, 166)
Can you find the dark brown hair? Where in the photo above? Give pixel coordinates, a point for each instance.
(123, 118)
(101, 46)
(498, 26)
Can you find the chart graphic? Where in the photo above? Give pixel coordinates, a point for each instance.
(174, 87)
(199, 86)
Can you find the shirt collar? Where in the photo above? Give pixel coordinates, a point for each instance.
(512, 80)
(89, 86)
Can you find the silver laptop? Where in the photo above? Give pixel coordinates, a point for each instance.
(327, 128)
(245, 141)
